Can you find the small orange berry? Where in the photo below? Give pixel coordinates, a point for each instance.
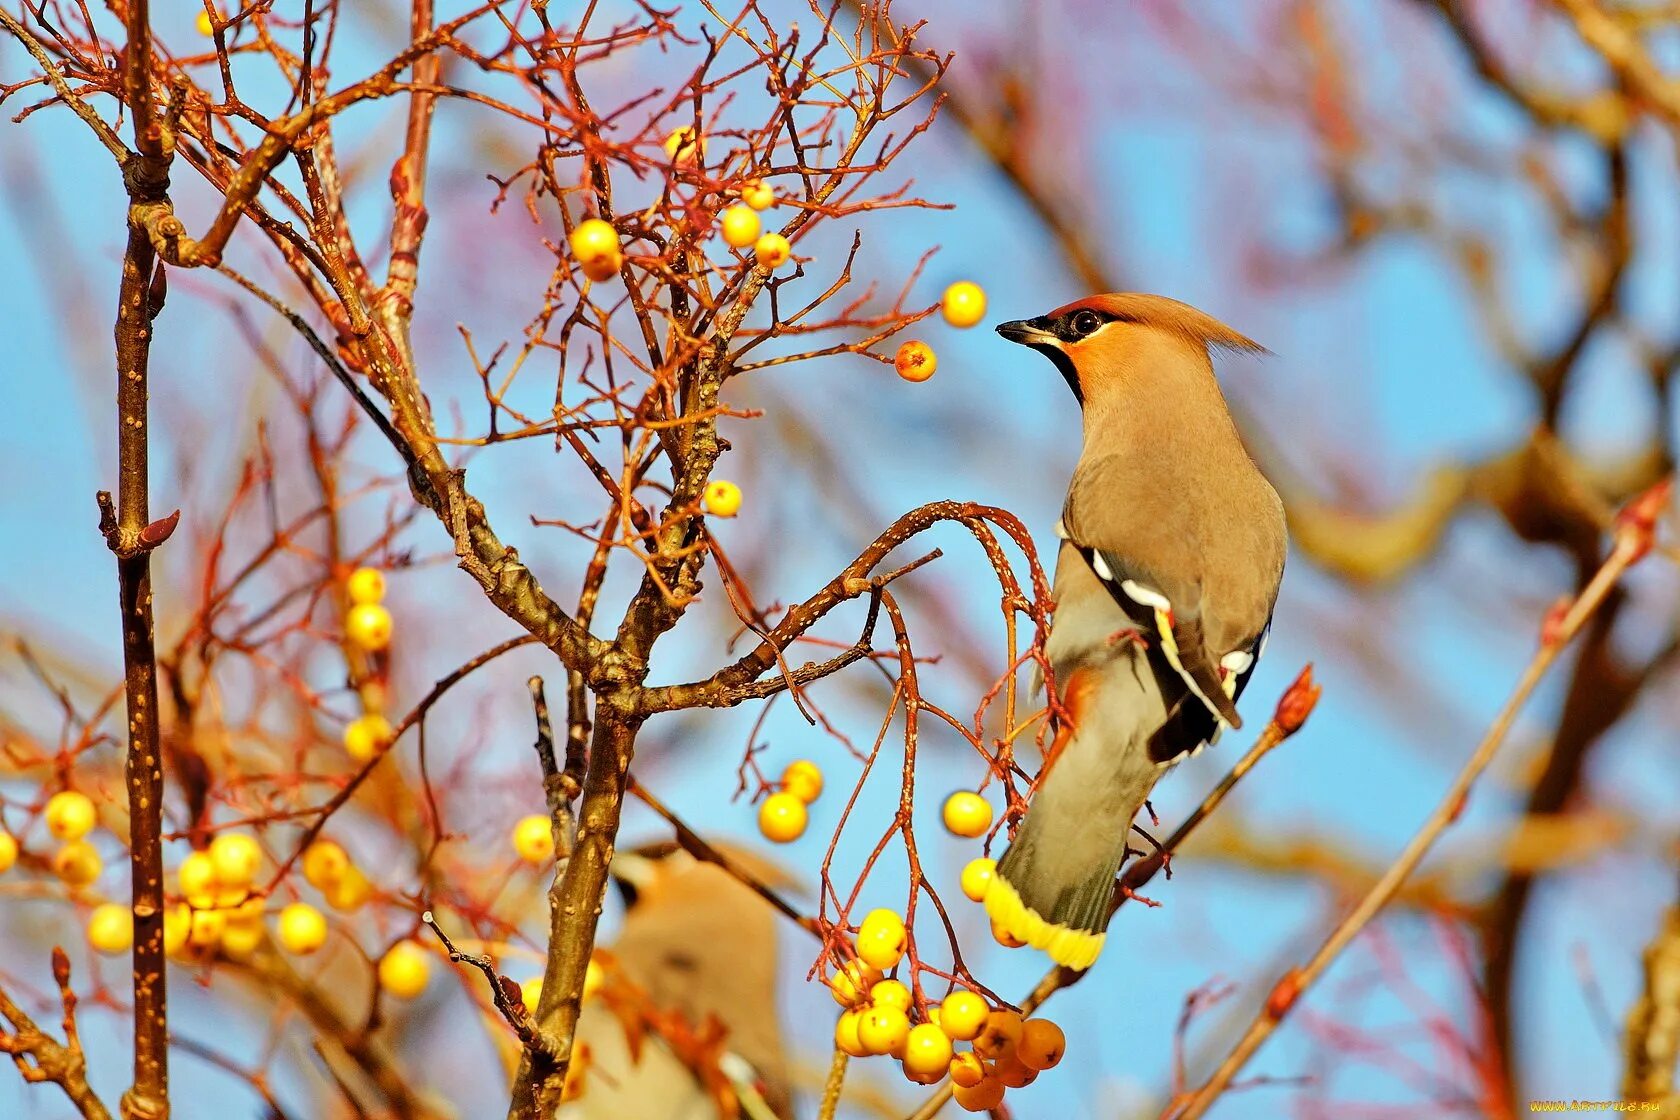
(1013, 1072)
(1042, 1044)
(782, 818)
(1004, 937)
(804, 780)
(758, 194)
(915, 361)
(964, 304)
(966, 1070)
(967, 814)
(1000, 1035)
(350, 892)
(983, 1096)
(722, 498)
(772, 250)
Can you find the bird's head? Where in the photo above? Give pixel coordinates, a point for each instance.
(1095, 341)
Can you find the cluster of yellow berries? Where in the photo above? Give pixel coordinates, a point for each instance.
(783, 815)
(367, 623)
(70, 816)
(1007, 1050)
(368, 626)
(217, 911)
(963, 305)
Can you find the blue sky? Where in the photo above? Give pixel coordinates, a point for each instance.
(1379, 371)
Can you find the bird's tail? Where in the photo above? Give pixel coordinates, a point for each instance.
(1053, 886)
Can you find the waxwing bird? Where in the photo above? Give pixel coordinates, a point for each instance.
(697, 947)
(1172, 550)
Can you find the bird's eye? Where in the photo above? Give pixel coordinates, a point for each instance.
(1084, 322)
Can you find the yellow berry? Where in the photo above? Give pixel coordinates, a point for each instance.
(723, 499)
(966, 1070)
(915, 361)
(927, 1051)
(404, 970)
(236, 858)
(324, 863)
(110, 928)
(367, 735)
(846, 1034)
(1000, 1035)
(368, 625)
(963, 1016)
(366, 585)
(782, 818)
(1042, 1044)
(594, 239)
(530, 994)
(240, 938)
(683, 145)
(603, 268)
(977, 877)
(207, 928)
(758, 194)
(8, 851)
(302, 928)
(71, 815)
(594, 978)
(967, 814)
(177, 924)
(804, 780)
(852, 983)
(205, 27)
(882, 939)
(533, 839)
(882, 1030)
(772, 250)
(890, 993)
(983, 1096)
(350, 892)
(78, 863)
(741, 226)
(197, 879)
(964, 304)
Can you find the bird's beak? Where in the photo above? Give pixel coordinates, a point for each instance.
(1029, 332)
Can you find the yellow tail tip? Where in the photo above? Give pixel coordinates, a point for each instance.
(1068, 947)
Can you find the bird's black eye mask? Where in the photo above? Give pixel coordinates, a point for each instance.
(1070, 327)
